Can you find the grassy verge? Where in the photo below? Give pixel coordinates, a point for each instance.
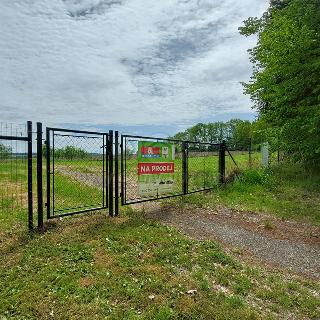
(285, 191)
(93, 267)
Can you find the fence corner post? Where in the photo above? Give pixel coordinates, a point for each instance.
(39, 175)
(222, 162)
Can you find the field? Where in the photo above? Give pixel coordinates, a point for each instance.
(93, 266)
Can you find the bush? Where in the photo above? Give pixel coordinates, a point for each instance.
(257, 177)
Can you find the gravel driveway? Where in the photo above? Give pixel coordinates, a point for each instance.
(300, 254)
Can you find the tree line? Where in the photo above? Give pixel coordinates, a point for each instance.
(68, 152)
(285, 81)
(238, 134)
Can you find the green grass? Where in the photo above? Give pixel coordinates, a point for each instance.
(131, 268)
(285, 191)
(71, 194)
(96, 267)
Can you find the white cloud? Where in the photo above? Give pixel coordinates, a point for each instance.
(123, 61)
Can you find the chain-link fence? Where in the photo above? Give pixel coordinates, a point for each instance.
(156, 168)
(135, 185)
(82, 169)
(255, 156)
(203, 166)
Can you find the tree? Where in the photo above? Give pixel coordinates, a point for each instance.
(240, 135)
(237, 133)
(68, 152)
(285, 83)
(5, 151)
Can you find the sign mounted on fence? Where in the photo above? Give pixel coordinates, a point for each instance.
(155, 168)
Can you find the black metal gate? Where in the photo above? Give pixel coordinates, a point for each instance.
(79, 171)
(197, 166)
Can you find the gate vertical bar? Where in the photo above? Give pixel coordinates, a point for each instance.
(116, 173)
(110, 152)
(48, 172)
(39, 175)
(30, 194)
(185, 167)
(122, 173)
(222, 162)
(103, 171)
(106, 150)
(53, 172)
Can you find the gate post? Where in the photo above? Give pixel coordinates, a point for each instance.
(110, 158)
(39, 175)
(122, 194)
(185, 167)
(222, 162)
(30, 194)
(116, 173)
(48, 204)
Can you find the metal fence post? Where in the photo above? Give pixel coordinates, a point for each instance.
(110, 154)
(30, 194)
(122, 194)
(222, 162)
(116, 173)
(185, 167)
(39, 175)
(48, 204)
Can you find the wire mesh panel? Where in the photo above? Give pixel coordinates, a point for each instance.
(242, 159)
(76, 171)
(151, 168)
(13, 171)
(203, 166)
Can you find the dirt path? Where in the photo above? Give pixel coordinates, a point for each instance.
(291, 245)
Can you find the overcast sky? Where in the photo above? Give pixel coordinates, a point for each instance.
(154, 65)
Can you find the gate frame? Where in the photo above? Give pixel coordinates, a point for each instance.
(185, 176)
(107, 171)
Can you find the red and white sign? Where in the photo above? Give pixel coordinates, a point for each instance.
(150, 150)
(155, 168)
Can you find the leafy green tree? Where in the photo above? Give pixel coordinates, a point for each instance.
(68, 152)
(237, 133)
(285, 84)
(71, 152)
(5, 151)
(240, 135)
